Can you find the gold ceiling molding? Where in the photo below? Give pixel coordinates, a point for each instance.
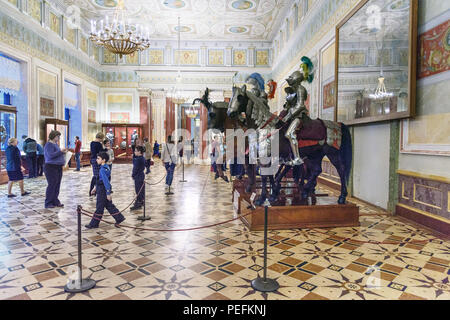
(118, 85)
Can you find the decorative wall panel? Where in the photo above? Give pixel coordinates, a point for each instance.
(215, 57)
(352, 59)
(35, 9)
(84, 44)
(55, 23)
(14, 2)
(109, 57)
(132, 58)
(262, 57)
(239, 57)
(426, 194)
(156, 56)
(70, 34)
(434, 55)
(186, 57)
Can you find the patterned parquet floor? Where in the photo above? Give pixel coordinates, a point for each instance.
(38, 248)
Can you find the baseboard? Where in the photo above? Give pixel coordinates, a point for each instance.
(423, 218)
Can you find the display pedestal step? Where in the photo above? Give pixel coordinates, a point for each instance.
(326, 213)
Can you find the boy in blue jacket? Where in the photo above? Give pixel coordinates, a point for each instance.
(138, 176)
(103, 190)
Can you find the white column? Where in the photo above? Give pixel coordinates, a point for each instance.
(228, 56)
(203, 56)
(84, 113)
(168, 55)
(251, 56)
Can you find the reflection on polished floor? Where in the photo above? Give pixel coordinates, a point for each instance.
(39, 246)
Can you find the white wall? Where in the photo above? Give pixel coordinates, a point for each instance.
(426, 164)
(371, 163)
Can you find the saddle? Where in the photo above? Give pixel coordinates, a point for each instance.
(319, 131)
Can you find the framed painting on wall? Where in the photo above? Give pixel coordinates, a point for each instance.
(47, 83)
(47, 107)
(119, 117)
(425, 134)
(92, 118)
(327, 84)
(371, 75)
(119, 107)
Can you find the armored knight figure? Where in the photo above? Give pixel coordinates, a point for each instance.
(295, 103)
(110, 137)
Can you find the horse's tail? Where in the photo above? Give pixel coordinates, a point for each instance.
(346, 151)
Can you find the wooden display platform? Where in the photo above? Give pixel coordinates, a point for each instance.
(326, 213)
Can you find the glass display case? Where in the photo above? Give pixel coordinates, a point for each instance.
(8, 129)
(123, 138)
(61, 126)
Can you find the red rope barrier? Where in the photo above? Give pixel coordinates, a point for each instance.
(342, 239)
(91, 215)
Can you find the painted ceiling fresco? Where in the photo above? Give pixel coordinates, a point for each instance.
(232, 20)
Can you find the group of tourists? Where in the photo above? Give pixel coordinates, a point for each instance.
(52, 160)
(49, 159)
(34, 157)
(101, 161)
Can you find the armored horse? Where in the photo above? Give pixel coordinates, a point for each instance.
(316, 139)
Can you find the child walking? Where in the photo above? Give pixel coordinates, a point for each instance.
(103, 191)
(138, 176)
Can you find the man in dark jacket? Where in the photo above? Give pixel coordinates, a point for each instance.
(30, 149)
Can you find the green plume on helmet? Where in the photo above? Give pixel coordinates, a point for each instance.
(307, 67)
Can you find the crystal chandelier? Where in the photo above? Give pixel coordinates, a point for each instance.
(119, 36)
(191, 112)
(381, 94)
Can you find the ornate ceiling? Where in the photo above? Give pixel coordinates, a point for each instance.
(379, 19)
(228, 20)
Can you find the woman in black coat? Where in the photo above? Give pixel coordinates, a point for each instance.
(14, 167)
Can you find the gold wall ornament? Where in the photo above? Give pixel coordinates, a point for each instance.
(156, 56)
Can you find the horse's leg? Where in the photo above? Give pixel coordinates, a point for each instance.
(277, 183)
(335, 159)
(315, 169)
(251, 173)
